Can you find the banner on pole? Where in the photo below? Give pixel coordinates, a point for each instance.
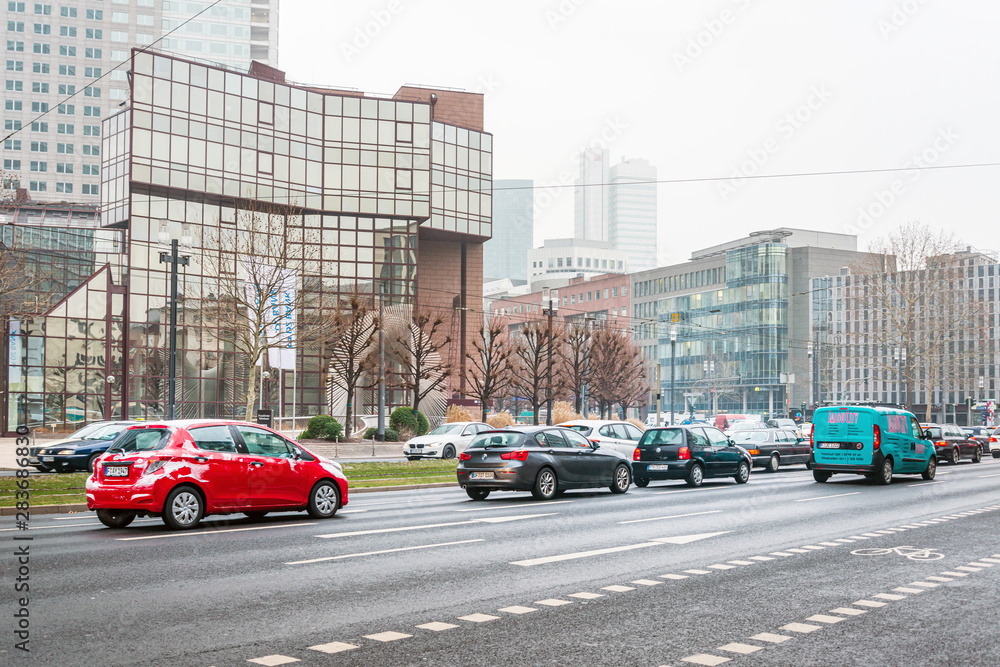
(277, 317)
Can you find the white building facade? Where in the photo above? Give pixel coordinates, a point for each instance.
(632, 212)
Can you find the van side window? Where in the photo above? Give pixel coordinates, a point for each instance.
(918, 432)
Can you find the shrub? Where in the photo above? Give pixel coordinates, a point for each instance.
(322, 427)
(500, 420)
(405, 417)
(390, 434)
(456, 413)
(562, 411)
(640, 425)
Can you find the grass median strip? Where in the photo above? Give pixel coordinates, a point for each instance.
(67, 488)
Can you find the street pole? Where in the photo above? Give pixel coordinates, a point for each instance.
(548, 388)
(673, 356)
(173, 258)
(658, 389)
(380, 436)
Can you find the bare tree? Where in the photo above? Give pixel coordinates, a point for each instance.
(574, 361)
(533, 354)
(491, 362)
(416, 348)
(636, 386)
(618, 371)
(913, 295)
(253, 270)
(353, 349)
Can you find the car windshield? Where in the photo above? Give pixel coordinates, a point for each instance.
(510, 439)
(445, 429)
(108, 432)
(85, 431)
(142, 440)
(750, 436)
(663, 436)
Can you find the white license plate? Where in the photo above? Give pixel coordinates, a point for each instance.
(829, 445)
(482, 475)
(48, 458)
(658, 466)
(116, 471)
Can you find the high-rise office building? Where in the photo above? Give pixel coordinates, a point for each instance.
(632, 212)
(60, 61)
(506, 254)
(591, 196)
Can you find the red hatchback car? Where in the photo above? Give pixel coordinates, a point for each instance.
(183, 470)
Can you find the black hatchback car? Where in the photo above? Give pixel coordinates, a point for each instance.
(952, 444)
(545, 460)
(691, 453)
(773, 447)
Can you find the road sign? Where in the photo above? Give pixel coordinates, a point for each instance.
(264, 418)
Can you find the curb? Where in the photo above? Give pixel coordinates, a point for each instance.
(82, 507)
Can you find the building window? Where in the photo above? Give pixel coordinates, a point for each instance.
(90, 189)
(67, 31)
(64, 187)
(37, 186)
(614, 292)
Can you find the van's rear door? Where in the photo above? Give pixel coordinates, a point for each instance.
(843, 436)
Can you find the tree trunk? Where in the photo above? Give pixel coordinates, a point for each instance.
(349, 418)
(251, 390)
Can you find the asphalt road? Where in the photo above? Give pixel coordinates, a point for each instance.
(760, 574)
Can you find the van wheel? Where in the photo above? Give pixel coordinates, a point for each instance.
(821, 476)
(773, 463)
(696, 476)
(931, 469)
(884, 477)
(977, 455)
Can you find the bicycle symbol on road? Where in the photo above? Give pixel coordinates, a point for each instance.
(912, 553)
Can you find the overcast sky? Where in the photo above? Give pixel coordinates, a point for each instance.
(703, 89)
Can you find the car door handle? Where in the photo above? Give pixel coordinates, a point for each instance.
(257, 464)
(201, 459)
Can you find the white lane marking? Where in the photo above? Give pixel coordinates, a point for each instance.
(761, 558)
(507, 507)
(955, 574)
(720, 566)
(352, 511)
(706, 659)
(383, 551)
(781, 553)
(673, 576)
(478, 618)
(437, 626)
(892, 597)
(556, 602)
(812, 547)
(387, 636)
(825, 618)
(868, 603)
(680, 539)
(770, 637)
(333, 647)
(924, 584)
(742, 562)
(836, 495)
(966, 568)
(742, 649)
(829, 544)
(803, 628)
(380, 531)
(797, 551)
(74, 525)
(618, 589)
(273, 660)
(517, 609)
(985, 476)
(673, 516)
(585, 596)
(908, 591)
(698, 571)
(686, 539)
(926, 483)
(848, 611)
(941, 579)
(646, 582)
(214, 532)
(713, 488)
(581, 554)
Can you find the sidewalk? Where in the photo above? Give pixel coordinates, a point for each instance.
(364, 451)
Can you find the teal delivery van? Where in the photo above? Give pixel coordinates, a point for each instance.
(877, 442)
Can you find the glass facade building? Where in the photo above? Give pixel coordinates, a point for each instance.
(360, 185)
(506, 254)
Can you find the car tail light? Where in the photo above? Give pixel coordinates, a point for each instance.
(812, 427)
(636, 455)
(992, 439)
(153, 465)
(465, 456)
(877, 440)
(519, 455)
(941, 443)
(684, 453)
(755, 451)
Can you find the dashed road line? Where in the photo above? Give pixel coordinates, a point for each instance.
(478, 618)
(825, 618)
(438, 626)
(517, 609)
(705, 659)
(212, 532)
(389, 636)
(333, 647)
(803, 628)
(273, 660)
(380, 552)
(742, 649)
(402, 529)
(674, 516)
(556, 602)
(838, 495)
(584, 595)
(509, 507)
(770, 637)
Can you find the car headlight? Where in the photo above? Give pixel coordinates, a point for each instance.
(66, 452)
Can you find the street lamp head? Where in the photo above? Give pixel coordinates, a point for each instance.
(164, 235)
(546, 293)
(186, 236)
(673, 334)
(265, 374)
(111, 379)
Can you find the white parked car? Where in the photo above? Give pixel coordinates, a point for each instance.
(617, 435)
(444, 442)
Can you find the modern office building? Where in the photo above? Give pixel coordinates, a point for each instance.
(70, 59)
(372, 194)
(632, 212)
(559, 260)
(590, 203)
(741, 315)
(506, 254)
(867, 347)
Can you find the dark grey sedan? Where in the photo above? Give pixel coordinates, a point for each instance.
(773, 447)
(545, 460)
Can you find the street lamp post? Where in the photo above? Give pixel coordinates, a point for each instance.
(380, 436)
(673, 356)
(174, 259)
(547, 297)
(812, 377)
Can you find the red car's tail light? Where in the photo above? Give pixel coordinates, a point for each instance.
(992, 439)
(877, 437)
(636, 454)
(153, 465)
(684, 453)
(519, 455)
(941, 443)
(465, 456)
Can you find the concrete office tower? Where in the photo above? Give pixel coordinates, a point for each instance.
(632, 212)
(55, 50)
(506, 254)
(591, 196)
